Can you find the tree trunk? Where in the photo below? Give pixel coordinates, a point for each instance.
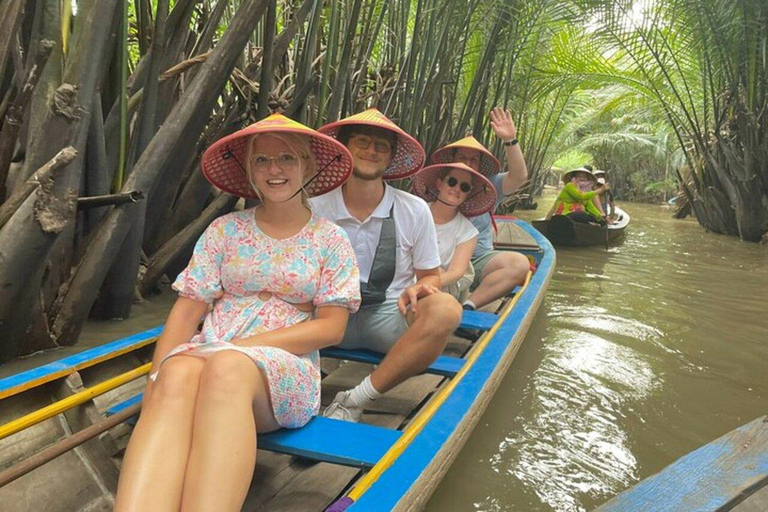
(179, 132)
(15, 115)
(11, 13)
(184, 240)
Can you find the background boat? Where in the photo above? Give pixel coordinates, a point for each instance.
(562, 231)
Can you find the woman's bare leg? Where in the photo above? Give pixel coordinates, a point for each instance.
(232, 404)
(156, 459)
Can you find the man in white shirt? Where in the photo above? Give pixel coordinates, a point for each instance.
(404, 313)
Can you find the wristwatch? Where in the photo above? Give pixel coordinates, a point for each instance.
(510, 142)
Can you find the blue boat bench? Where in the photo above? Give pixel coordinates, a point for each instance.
(322, 439)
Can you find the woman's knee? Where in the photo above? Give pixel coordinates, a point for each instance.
(178, 378)
(229, 372)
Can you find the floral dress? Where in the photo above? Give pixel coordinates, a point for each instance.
(232, 262)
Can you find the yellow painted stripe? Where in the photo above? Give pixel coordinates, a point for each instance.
(59, 407)
(426, 414)
(63, 373)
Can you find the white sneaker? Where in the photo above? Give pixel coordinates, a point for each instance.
(340, 410)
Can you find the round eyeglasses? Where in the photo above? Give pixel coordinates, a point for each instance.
(284, 161)
(364, 142)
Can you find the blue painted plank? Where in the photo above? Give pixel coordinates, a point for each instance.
(445, 366)
(390, 488)
(478, 320)
(124, 404)
(71, 363)
(714, 477)
(328, 440)
(322, 439)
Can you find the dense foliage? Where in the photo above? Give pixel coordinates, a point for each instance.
(644, 88)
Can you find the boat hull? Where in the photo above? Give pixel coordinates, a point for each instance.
(562, 231)
(412, 479)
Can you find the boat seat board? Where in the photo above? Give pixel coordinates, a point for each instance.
(478, 320)
(29, 379)
(322, 439)
(509, 234)
(713, 477)
(445, 366)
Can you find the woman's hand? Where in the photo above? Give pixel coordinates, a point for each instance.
(503, 125)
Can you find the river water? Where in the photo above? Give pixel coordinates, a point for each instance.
(638, 355)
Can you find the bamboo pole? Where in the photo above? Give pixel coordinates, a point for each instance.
(22, 468)
(33, 418)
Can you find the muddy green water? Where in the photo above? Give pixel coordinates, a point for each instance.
(637, 356)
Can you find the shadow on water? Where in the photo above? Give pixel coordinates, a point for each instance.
(638, 355)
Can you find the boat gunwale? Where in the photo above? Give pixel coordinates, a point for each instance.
(409, 482)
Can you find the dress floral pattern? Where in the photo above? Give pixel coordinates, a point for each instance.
(232, 262)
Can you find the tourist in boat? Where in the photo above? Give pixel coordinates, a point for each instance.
(455, 193)
(496, 272)
(575, 200)
(404, 314)
(282, 282)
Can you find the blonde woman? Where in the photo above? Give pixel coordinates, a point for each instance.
(455, 193)
(281, 282)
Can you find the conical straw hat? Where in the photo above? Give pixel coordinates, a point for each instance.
(224, 162)
(567, 175)
(489, 164)
(409, 155)
(481, 199)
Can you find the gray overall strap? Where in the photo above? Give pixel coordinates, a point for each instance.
(384, 263)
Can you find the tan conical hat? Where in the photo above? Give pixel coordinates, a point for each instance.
(224, 162)
(409, 155)
(567, 175)
(489, 164)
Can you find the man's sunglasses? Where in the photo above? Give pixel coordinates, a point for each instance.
(364, 142)
(464, 187)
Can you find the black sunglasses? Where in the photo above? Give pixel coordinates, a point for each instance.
(464, 187)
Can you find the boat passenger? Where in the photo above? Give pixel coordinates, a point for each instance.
(455, 193)
(282, 282)
(404, 314)
(496, 272)
(575, 200)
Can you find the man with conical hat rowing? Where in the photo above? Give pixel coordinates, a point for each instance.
(404, 313)
(496, 272)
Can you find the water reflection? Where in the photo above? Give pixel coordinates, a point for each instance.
(639, 355)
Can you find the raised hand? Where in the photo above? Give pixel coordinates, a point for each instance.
(502, 124)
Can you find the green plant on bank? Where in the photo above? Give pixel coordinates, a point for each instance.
(702, 66)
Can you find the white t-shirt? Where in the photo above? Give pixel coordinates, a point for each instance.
(449, 235)
(416, 238)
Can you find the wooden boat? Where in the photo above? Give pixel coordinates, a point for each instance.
(730, 473)
(562, 231)
(393, 460)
